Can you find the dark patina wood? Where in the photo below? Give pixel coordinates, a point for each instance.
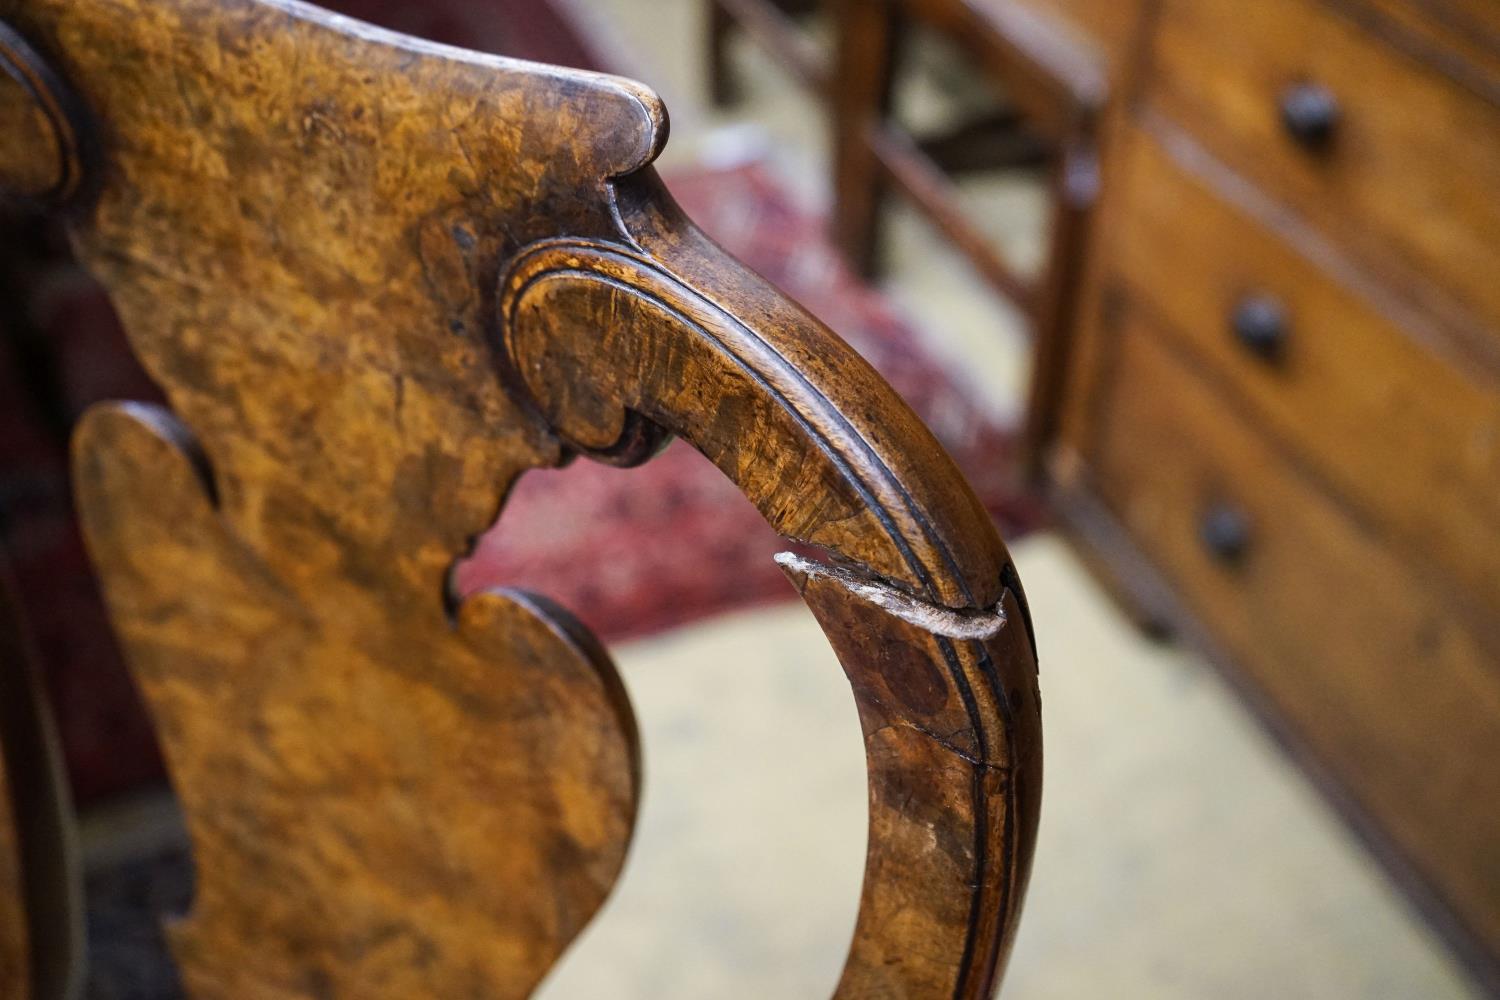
(378, 280)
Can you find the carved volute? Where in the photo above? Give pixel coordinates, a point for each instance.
(378, 280)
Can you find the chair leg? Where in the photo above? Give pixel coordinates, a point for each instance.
(861, 89)
(721, 83)
(1075, 192)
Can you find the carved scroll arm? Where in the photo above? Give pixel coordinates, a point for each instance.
(619, 344)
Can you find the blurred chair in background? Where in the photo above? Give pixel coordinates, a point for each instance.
(775, 25)
(1049, 67)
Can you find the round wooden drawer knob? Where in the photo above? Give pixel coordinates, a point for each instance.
(1310, 114)
(1260, 325)
(1225, 532)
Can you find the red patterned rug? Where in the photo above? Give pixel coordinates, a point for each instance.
(634, 551)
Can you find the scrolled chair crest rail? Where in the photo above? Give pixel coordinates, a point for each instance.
(378, 280)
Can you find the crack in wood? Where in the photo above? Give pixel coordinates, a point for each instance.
(950, 623)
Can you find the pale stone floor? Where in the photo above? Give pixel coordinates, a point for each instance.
(1181, 854)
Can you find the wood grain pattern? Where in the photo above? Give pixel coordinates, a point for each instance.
(378, 280)
(1367, 679)
(382, 795)
(933, 778)
(615, 349)
(1442, 416)
(380, 798)
(1362, 613)
(1407, 179)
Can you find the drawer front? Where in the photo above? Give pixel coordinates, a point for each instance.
(1395, 699)
(1364, 138)
(1411, 438)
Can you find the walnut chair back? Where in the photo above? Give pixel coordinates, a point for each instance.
(377, 280)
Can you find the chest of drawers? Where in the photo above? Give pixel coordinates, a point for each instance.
(1279, 430)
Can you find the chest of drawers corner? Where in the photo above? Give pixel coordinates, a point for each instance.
(1280, 425)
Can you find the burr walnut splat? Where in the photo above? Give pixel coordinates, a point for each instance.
(378, 280)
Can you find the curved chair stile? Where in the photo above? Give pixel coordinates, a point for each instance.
(378, 280)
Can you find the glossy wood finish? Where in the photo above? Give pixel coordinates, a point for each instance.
(1409, 173)
(944, 698)
(380, 800)
(379, 280)
(1279, 430)
(925, 780)
(1368, 681)
(1346, 365)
